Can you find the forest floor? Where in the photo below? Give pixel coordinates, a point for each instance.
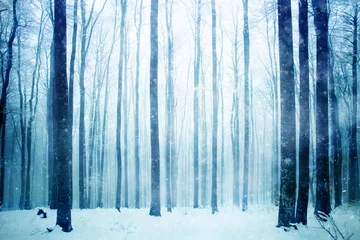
(184, 223)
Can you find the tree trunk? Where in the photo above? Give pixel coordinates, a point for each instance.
(247, 106)
(354, 194)
(235, 119)
(4, 100)
(154, 120)
(137, 126)
(82, 144)
(288, 118)
(62, 136)
(71, 85)
(22, 129)
(118, 116)
(336, 136)
(214, 207)
(304, 141)
(196, 105)
(170, 111)
(322, 120)
(32, 110)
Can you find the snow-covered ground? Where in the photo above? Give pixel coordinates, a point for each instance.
(184, 223)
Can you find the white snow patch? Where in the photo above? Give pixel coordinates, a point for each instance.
(184, 223)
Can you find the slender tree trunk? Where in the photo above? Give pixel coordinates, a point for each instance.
(126, 121)
(118, 116)
(235, 120)
(170, 111)
(154, 120)
(32, 111)
(322, 120)
(71, 84)
(61, 117)
(104, 123)
(137, 126)
(82, 144)
(247, 106)
(22, 129)
(214, 207)
(204, 145)
(336, 136)
(196, 105)
(304, 141)
(288, 118)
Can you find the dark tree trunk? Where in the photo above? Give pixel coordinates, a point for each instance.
(322, 120)
(154, 120)
(137, 126)
(53, 176)
(62, 136)
(354, 194)
(3, 101)
(246, 107)
(336, 136)
(304, 141)
(71, 85)
(214, 207)
(288, 127)
(196, 105)
(118, 116)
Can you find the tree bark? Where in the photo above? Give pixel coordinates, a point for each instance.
(154, 120)
(214, 207)
(137, 126)
(354, 194)
(3, 101)
(62, 136)
(196, 105)
(304, 141)
(246, 107)
(118, 115)
(322, 121)
(288, 118)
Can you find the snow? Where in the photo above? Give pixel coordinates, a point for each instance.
(184, 223)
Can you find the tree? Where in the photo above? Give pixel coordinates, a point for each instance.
(336, 136)
(138, 25)
(196, 105)
(304, 141)
(33, 102)
(354, 193)
(288, 127)
(214, 207)
(84, 48)
(71, 78)
(22, 100)
(170, 107)
(247, 106)
(322, 121)
(62, 135)
(235, 119)
(154, 119)
(3, 100)
(123, 5)
(104, 123)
